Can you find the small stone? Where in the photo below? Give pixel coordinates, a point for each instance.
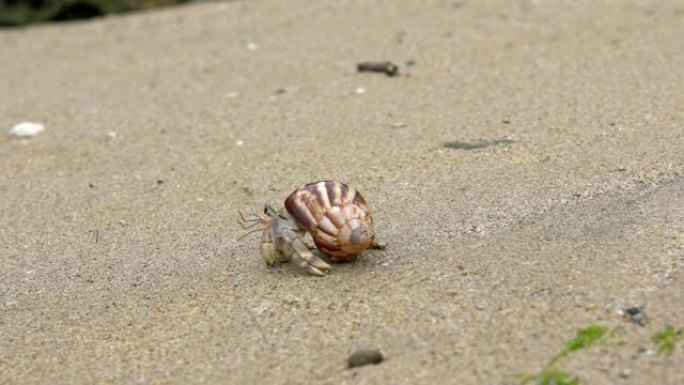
(26, 129)
(251, 46)
(360, 90)
(633, 311)
(635, 315)
(240, 143)
(625, 373)
(364, 357)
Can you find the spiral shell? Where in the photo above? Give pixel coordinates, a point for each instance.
(336, 216)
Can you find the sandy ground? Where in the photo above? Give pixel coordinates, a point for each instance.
(119, 253)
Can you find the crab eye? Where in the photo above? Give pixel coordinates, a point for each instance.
(271, 212)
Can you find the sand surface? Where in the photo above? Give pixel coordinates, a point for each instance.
(119, 253)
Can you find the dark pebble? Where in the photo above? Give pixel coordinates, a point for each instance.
(636, 315)
(364, 357)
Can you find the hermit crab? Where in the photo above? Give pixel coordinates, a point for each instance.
(334, 214)
(281, 240)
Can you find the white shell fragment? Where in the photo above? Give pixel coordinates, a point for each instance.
(26, 129)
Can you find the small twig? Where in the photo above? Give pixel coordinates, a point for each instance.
(386, 67)
(248, 224)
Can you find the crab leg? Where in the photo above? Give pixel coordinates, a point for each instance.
(313, 263)
(378, 245)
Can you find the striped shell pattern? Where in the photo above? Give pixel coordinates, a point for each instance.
(336, 216)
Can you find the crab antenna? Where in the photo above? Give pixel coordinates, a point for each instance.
(247, 233)
(248, 223)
